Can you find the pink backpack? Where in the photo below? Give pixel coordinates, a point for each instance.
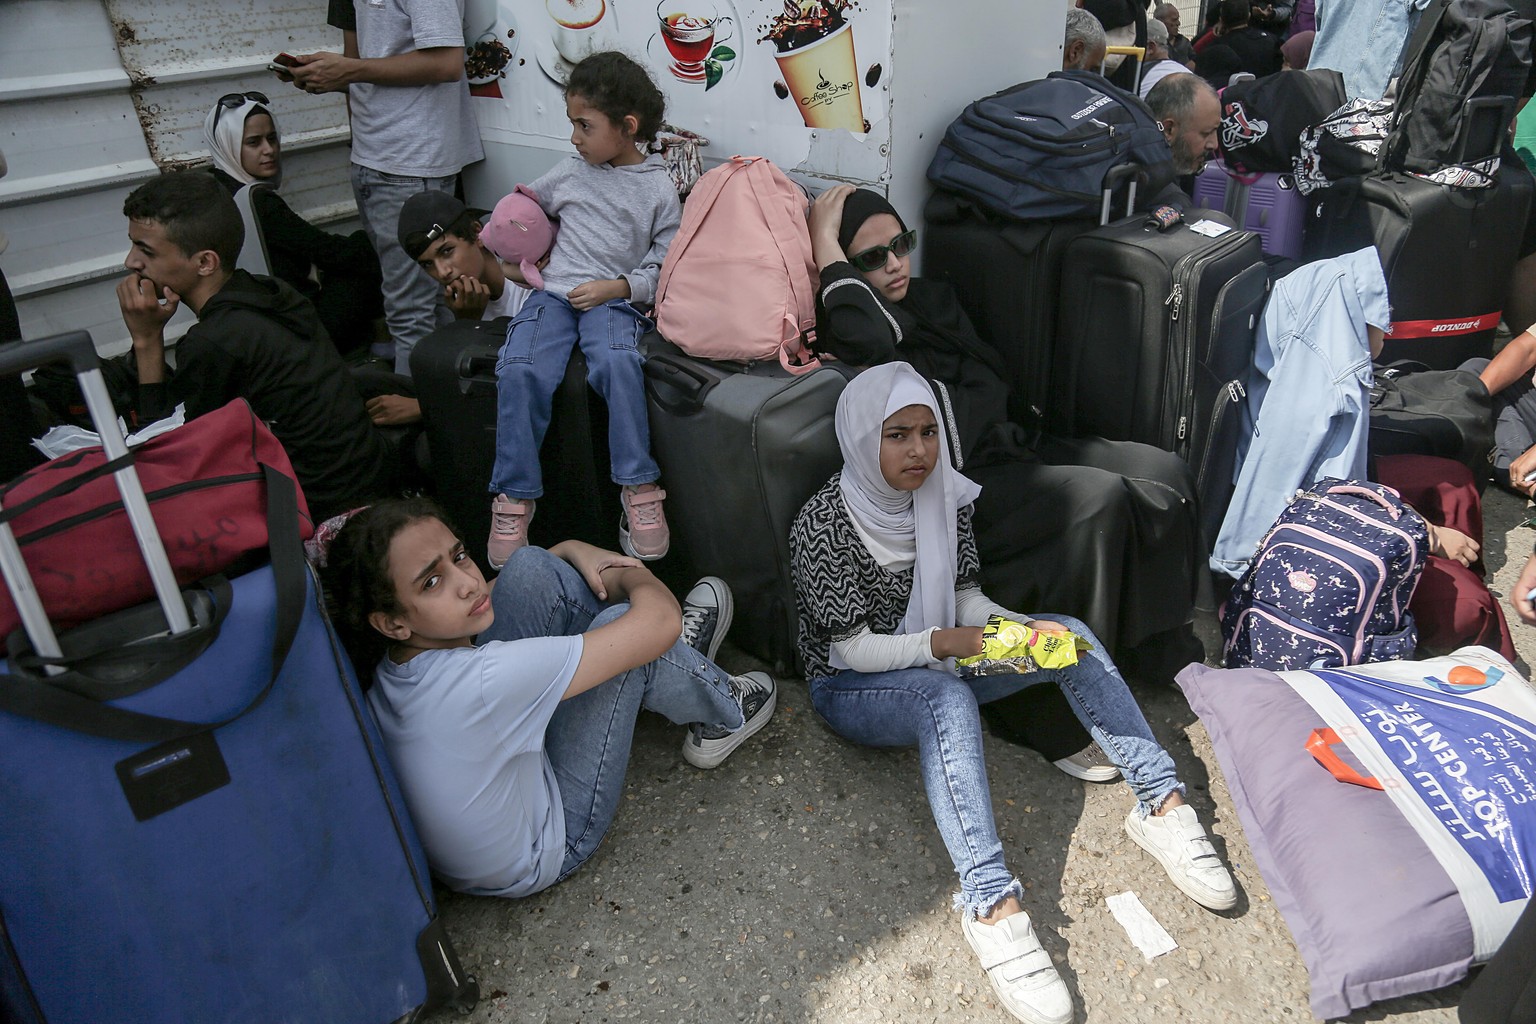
(739, 282)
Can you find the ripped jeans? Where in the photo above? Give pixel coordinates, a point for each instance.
(937, 712)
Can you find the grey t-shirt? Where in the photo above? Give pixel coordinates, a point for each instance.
(418, 131)
(464, 729)
(614, 222)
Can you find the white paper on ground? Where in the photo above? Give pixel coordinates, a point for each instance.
(1149, 936)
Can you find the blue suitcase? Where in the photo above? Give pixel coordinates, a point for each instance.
(192, 834)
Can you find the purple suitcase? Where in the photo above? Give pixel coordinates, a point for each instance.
(1274, 209)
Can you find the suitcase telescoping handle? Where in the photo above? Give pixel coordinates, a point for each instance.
(1112, 181)
(76, 349)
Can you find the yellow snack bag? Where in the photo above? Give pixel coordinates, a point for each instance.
(1009, 646)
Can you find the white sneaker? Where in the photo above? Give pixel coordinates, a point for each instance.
(1090, 764)
(1019, 969)
(1178, 841)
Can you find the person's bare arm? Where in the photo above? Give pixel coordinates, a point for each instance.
(334, 72)
(642, 634)
(1515, 360)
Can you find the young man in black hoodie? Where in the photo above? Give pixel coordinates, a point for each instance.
(256, 338)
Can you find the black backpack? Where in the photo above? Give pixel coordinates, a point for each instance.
(1467, 64)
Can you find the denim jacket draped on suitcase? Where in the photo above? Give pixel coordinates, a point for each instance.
(1308, 403)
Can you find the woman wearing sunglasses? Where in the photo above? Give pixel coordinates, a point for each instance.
(1105, 531)
(338, 273)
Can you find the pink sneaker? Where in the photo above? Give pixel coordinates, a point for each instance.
(643, 532)
(509, 528)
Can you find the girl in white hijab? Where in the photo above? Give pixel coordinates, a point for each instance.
(338, 273)
(243, 140)
(885, 571)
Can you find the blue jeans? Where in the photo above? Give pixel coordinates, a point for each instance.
(1363, 40)
(588, 739)
(532, 364)
(413, 302)
(937, 712)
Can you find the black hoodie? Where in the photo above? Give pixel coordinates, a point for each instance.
(260, 340)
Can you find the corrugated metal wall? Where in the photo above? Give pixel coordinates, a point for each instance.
(97, 97)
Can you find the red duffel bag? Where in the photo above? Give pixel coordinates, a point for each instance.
(205, 487)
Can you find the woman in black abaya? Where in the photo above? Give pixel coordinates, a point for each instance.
(1105, 530)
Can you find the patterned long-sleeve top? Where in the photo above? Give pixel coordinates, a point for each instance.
(839, 587)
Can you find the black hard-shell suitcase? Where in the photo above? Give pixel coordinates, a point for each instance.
(454, 369)
(1007, 276)
(742, 446)
(1446, 252)
(200, 820)
(1154, 338)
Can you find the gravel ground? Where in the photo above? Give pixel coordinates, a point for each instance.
(803, 881)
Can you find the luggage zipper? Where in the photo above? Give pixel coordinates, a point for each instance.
(1398, 607)
(1235, 394)
(1175, 302)
(1187, 272)
(1003, 129)
(1009, 176)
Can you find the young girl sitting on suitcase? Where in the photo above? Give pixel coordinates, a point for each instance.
(508, 710)
(618, 212)
(885, 571)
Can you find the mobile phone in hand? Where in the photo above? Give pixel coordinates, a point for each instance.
(281, 63)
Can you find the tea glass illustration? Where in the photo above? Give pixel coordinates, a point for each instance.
(690, 29)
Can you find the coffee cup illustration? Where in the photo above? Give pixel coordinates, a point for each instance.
(690, 29)
(823, 80)
(581, 27)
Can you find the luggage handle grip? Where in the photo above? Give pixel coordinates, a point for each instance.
(673, 375)
(1366, 492)
(73, 347)
(1320, 745)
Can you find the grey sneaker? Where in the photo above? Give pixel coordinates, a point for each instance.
(707, 746)
(707, 615)
(1090, 764)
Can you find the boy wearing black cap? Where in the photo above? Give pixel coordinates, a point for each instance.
(443, 236)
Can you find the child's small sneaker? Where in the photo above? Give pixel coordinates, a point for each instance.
(1019, 968)
(509, 529)
(1178, 841)
(1090, 764)
(707, 615)
(707, 746)
(643, 532)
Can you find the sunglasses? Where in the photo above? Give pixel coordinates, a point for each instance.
(874, 257)
(236, 100)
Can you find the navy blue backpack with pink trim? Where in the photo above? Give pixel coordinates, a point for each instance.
(1330, 583)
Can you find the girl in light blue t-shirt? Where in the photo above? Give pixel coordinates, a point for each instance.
(508, 709)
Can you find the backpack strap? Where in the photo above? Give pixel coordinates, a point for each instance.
(703, 196)
(794, 356)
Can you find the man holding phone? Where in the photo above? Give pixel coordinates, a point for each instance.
(402, 68)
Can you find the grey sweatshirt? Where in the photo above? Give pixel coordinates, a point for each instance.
(614, 222)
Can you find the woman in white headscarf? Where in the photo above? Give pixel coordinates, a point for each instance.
(885, 571)
(338, 273)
